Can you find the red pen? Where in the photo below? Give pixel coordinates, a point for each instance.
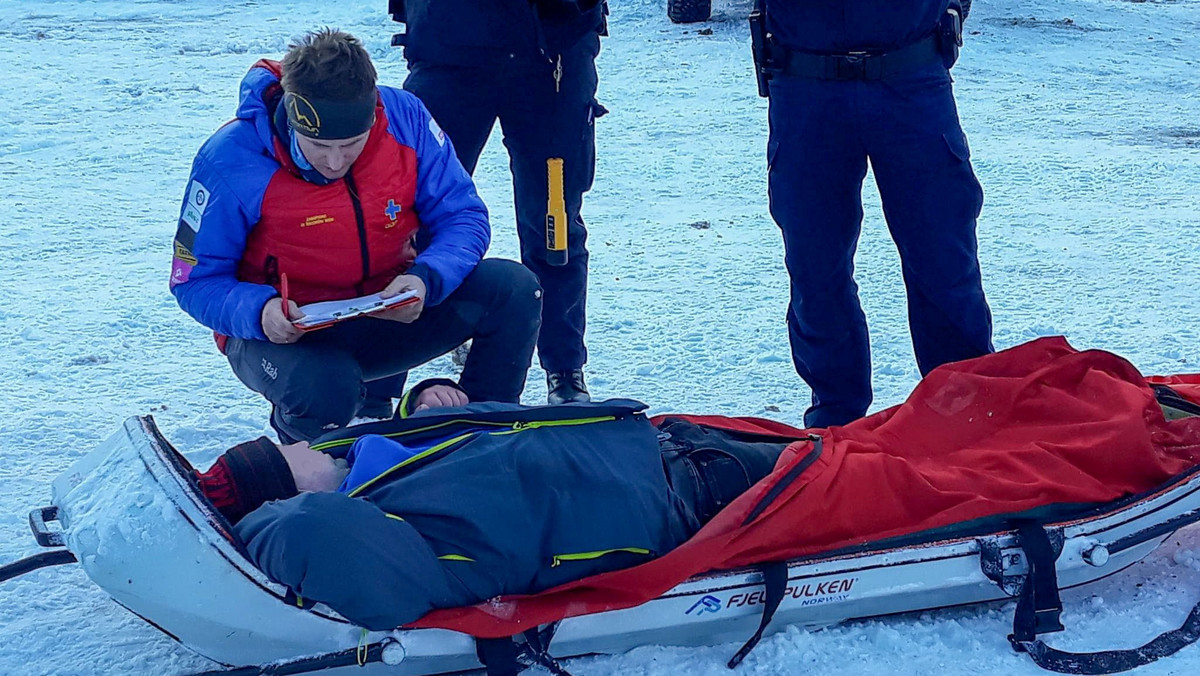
(284, 296)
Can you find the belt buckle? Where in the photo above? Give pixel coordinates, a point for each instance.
(852, 66)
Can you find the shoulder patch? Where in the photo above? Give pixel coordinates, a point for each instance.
(437, 132)
(197, 201)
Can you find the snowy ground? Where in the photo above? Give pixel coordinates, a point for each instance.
(1084, 121)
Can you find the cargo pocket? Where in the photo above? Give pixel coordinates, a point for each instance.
(957, 144)
(595, 111)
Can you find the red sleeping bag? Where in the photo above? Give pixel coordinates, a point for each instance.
(1035, 425)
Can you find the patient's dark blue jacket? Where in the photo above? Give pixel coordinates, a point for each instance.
(451, 509)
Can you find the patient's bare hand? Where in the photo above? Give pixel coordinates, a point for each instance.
(313, 471)
(437, 396)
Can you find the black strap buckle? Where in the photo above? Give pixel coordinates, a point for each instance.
(1038, 606)
(850, 66)
(853, 66)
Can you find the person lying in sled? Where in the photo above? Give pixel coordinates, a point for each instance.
(486, 499)
(483, 500)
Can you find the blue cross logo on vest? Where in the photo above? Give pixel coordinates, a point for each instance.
(392, 210)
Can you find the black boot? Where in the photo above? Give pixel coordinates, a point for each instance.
(564, 387)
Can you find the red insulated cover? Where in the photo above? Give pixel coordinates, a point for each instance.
(1035, 425)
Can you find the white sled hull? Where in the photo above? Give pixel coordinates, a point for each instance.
(140, 532)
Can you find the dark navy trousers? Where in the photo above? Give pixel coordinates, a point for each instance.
(822, 134)
(321, 382)
(540, 120)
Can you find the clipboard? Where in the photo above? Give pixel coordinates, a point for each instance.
(327, 313)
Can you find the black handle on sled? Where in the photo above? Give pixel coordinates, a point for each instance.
(1112, 661)
(46, 538)
(1038, 606)
(38, 519)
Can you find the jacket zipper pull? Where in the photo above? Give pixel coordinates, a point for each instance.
(558, 75)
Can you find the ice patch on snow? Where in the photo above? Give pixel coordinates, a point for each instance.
(1187, 557)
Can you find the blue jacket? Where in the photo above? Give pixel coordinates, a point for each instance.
(838, 26)
(467, 504)
(243, 177)
(497, 32)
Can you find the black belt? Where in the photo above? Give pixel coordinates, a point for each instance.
(860, 65)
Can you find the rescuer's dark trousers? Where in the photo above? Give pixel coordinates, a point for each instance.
(822, 134)
(323, 381)
(539, 121)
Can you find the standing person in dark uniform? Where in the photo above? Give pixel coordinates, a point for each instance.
(850, 81)
(530, 64)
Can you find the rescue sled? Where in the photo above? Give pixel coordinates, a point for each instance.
(155, 545)
(132, 516)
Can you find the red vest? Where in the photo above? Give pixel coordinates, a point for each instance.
(346, 239)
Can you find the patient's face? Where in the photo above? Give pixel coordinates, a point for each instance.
(314, 471)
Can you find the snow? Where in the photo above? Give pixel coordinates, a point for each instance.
(1084, 123)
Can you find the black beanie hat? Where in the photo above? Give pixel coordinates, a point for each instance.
(259, 473)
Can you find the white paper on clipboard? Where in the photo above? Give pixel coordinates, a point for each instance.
(328, 312)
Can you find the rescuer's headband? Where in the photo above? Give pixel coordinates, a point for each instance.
(329, 119)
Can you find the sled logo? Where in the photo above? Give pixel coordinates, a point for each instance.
(708, 604)
(808, 593)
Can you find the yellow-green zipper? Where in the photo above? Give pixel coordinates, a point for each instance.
(521, 426)
(346, 442)
(588, 556)
(518, 426)
(426, 453)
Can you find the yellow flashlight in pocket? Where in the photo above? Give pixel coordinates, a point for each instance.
(556, 214)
